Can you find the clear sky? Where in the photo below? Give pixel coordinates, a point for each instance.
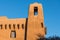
(19, 9)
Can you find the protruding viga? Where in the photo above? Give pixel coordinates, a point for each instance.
(24, 28)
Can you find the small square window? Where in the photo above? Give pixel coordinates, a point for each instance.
(13, 34)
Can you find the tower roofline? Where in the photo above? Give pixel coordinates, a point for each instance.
(36, 3)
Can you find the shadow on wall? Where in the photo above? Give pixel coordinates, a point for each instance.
(49, 38)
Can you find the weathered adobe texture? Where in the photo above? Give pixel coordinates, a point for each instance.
(24, 28)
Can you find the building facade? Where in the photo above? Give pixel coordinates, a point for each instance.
(24, 28)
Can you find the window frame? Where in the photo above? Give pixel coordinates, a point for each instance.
(14, 34)
(35, 11)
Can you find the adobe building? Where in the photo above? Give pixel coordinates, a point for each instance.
(24, 28)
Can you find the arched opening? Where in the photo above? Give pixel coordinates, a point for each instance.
(35, 11)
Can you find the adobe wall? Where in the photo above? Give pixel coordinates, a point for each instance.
(35, 22)
(5, 33)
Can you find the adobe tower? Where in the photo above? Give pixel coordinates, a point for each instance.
(35, 22)
(24, 28)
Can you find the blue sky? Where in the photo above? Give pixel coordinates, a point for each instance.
(19, 9)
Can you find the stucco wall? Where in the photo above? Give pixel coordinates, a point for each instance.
(5, 33)
(34, 22)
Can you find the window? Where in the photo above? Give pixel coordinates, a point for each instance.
(42, 25)
(18, 26)
(22, 26)
(9, 26)
(35, 11)
(13, 34)
(5, 26)
(1, 26)
(14, 26)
